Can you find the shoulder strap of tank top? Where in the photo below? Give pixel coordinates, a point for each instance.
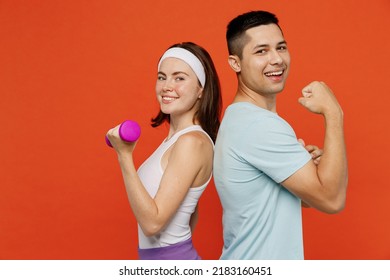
(189, 129)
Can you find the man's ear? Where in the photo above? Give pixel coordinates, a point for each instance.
(234, 62)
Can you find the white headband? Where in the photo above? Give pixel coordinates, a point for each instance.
(189, 58)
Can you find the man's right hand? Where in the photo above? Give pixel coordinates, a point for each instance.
(318, 98)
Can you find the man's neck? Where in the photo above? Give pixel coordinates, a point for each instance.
(267, 102)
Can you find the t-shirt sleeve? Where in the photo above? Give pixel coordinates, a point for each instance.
(271, 146)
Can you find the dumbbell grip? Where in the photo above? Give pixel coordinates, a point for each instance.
(129, 131)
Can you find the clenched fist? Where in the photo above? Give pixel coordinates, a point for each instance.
(319, 98)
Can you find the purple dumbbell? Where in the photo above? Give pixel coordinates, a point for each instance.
(129, 131)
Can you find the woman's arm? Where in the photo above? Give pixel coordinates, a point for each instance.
(186, 161)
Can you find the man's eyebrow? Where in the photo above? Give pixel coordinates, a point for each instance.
(267, 45)
(261, 46)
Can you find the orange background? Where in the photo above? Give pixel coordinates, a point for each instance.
(70, 70)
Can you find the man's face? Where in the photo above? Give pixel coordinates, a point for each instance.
(265, 60)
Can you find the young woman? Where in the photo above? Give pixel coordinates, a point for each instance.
(165, 190)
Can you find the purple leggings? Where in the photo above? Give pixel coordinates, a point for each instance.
(180, 251)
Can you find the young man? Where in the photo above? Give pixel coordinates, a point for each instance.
(262, 173)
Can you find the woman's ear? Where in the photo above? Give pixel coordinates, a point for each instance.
(200, 93)
(234, 62)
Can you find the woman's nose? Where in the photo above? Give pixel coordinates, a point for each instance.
(167, 86)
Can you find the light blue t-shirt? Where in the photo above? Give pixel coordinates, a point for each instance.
(255, 151)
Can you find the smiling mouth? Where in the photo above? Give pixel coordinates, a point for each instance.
(168, 98)
(274, 73)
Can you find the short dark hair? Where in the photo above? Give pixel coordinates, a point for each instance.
(210, 107)
(235, 34)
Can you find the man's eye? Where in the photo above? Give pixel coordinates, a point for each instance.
(261, 51)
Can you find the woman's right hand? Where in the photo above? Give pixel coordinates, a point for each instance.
(120, 146)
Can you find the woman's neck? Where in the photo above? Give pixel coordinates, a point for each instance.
(176, 125)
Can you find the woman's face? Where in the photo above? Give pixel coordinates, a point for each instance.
(177, 88)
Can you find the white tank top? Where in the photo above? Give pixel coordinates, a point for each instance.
(150, 173)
